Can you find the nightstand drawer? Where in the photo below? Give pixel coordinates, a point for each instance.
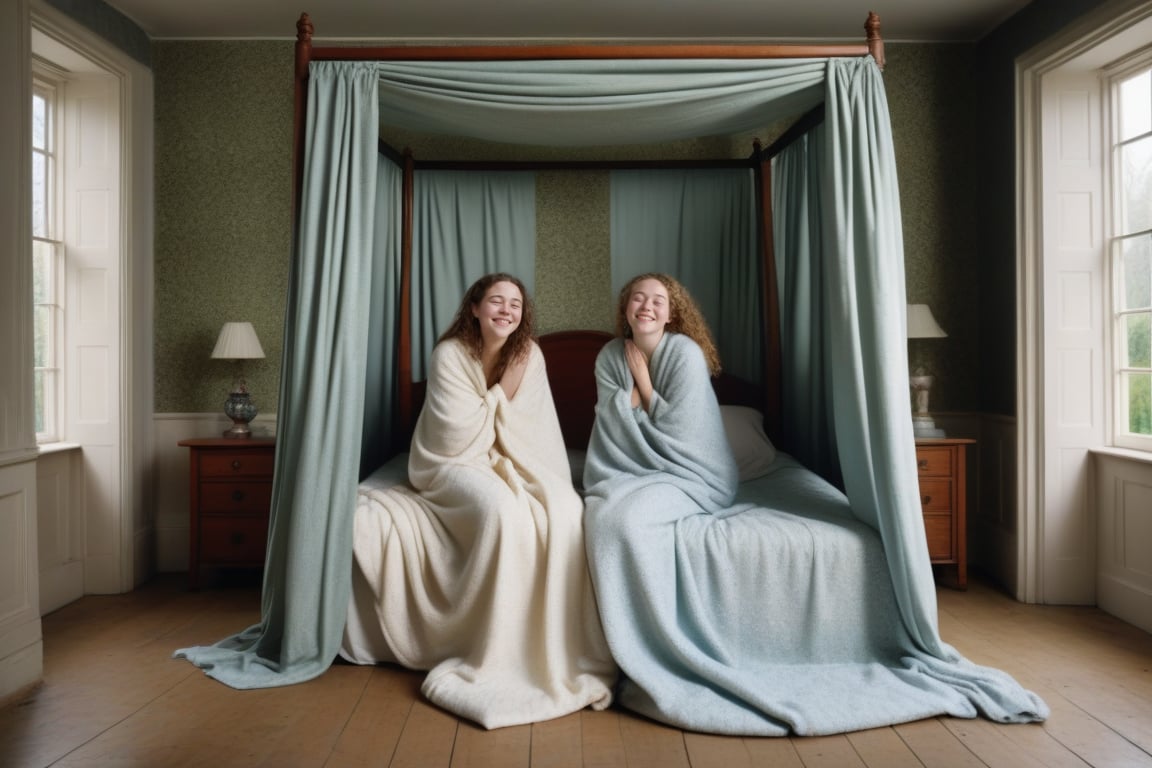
(936, 496)
(236, 464)
(233, 540)
(941, 468)
(934, 462)
(252, 496)
(230, 497)
(939, 531)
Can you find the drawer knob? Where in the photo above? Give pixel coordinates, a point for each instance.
(927, 500)
(236, 464)
(237, 538)
(922, 464)
(237, 495)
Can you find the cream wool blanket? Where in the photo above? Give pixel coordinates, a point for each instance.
(475, 569)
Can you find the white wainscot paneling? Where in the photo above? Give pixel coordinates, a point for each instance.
(992, 537)
(1124, 544)
(60, 525)
(21, 641)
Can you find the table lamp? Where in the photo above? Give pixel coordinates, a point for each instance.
(237, 341)
(922, 325)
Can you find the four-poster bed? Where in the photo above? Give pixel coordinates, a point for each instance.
(829, 262)
(408, 399)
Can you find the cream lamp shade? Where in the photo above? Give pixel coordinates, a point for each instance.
(921, 323)
(237, 341)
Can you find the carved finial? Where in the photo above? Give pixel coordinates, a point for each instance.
(875, 42)
(304, 29)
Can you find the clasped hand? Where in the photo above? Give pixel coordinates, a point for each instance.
(641, 377)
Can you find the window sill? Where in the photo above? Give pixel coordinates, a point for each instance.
(1130, 454)
(57, 447)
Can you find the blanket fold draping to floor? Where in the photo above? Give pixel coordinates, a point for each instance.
(475, 569)
(762, 608)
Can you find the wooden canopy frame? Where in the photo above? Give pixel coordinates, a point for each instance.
(760, 161)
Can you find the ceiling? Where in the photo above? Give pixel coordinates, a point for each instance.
(751, 20)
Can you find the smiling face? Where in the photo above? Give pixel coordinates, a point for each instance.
(648, 310)
(499, 312)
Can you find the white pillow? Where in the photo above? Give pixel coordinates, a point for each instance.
(753, 450)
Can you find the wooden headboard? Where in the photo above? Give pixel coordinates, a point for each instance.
(571, 360)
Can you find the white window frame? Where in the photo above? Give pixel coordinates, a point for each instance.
(1116, 72)
(52, 418)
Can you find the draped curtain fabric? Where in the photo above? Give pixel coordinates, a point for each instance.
(806, 423)
(307, 573)
(698, 226)
(466, 225)
(381, 384)
(864, 323)
(593, 103)
(840, 252)
(860, 287)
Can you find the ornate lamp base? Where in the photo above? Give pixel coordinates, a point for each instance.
(925, 426)
(240, 408)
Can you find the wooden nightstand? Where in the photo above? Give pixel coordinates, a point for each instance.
(230, 495)
(941, 466)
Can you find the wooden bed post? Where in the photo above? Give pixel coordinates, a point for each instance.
(770, 301)
(303, 57)
(306, 53)
(406, 417)
(875, 42)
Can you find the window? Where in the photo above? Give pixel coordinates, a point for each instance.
(47, 263)
(1132, 257)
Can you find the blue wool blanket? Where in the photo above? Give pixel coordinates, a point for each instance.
(763, 608)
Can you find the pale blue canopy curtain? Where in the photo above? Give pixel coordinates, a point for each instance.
(466, 225)
(307, 575)
(840, 249)
(597, 102)
(806, 386)
(698, 226)
(381, 384)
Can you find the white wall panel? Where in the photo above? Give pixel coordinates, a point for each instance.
(1134, 513)
(94, 213)
(60, 529)
(95, 399)
(1074, 224)
(21, 643)
(1075, 297)
(1072, 388)
(1124, 531)
(21, 647)
(93, 216)
(1074, 384)
(14, 569)
(1074, 126)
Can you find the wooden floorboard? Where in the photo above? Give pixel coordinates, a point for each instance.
(114, 696)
